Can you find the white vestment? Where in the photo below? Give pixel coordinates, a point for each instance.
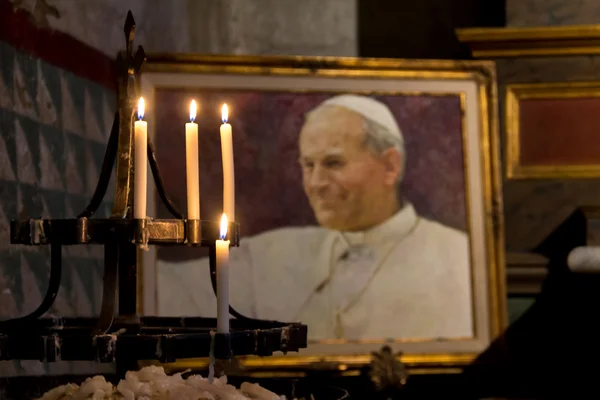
(406, 278)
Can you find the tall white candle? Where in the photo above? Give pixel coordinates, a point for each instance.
(191, 165)
(223, 278)
(140, 147)
(228, 172)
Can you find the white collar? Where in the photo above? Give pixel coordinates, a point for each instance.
(391, 229)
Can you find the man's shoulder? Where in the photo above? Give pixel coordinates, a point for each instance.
(288, 235)
(442, 233)
(443, 243)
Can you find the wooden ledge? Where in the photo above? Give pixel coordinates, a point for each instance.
(525, 273)
(531, 41)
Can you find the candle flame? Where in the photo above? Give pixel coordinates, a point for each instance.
(193, 109)
(224, 224)
(141, 108)
(224, 113)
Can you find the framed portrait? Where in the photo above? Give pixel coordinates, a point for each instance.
(368, 197)
(549, 127)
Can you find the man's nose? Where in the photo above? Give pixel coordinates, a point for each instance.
(318, 178)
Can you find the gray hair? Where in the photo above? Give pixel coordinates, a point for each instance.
(378, 139)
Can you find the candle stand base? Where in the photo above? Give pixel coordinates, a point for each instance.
(112, 336)
(223, 348)
(163, 339)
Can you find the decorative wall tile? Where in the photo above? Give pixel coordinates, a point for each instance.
(6, 169)
(94, 127)
(92, 171)
(82, 287)
(74, 182)
(6, 100)
(8, 305)
(8, 206)
(108, 114)
(7, 56)
(26, 166)
(52, 143)
(24, 85)
(71, 116)
(4, 233)
(46, 104)
(51, 160)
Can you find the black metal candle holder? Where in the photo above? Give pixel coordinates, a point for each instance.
(120, 333)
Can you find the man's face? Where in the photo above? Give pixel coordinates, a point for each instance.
(344, 181)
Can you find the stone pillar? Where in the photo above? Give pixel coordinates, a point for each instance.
(258, 27)
(99, 23)
(521, 13)
(273, 27)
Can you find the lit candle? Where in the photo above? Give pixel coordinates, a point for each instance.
(223, 278)
(191, 165)
(140, 163)
(228, 173)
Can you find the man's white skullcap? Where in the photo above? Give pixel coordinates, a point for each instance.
(368, 108)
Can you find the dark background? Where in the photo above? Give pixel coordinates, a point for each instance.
(424, 28)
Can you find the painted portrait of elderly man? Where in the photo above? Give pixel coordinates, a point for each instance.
(352, 215)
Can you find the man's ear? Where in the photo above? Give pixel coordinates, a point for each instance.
(392, 162)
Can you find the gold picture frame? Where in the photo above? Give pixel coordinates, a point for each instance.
(542, 91)
(474, 83)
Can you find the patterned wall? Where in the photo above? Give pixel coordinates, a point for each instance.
(54, 125)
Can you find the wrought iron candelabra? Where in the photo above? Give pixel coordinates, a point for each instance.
(121, 333)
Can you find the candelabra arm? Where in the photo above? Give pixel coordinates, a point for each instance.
(123, 200)
(107, 166)
(160, 187)
(51, 292)
(129, 65)
(109, 291)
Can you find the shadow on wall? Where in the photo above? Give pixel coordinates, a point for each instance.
(422, 29)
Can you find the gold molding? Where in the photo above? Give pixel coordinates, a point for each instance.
(540, 41)
(418, 364)
(525, 273)
(482, 74)
(558, 90)
(480, 70)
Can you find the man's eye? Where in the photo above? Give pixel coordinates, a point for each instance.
(333, 163)
(307, 165)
